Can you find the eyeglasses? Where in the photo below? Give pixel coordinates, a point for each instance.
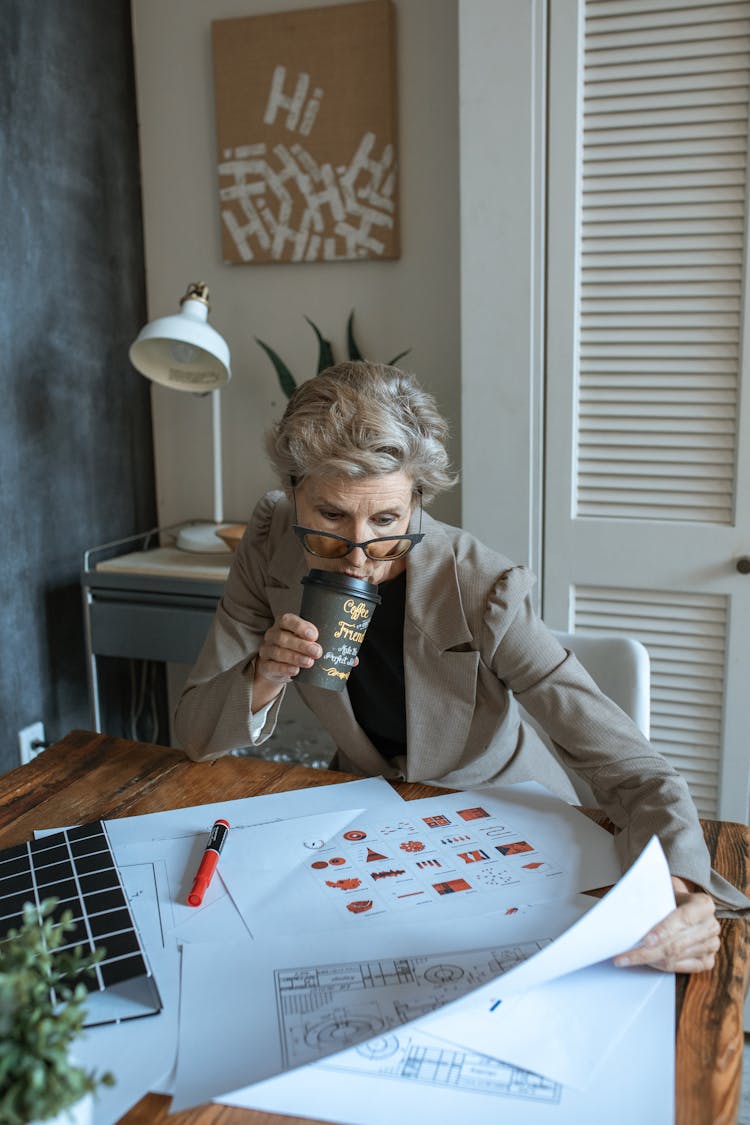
(328, 545)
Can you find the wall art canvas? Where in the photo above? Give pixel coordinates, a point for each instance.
(306, 122)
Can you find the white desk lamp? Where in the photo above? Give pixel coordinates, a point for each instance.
(185, 353)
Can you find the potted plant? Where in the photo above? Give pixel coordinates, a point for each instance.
(42, 1010)
(326, 358)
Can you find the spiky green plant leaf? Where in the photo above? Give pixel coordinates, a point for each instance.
(325, 355)
(396, 358)
(352, 345)
(286, 379)
(325, 351)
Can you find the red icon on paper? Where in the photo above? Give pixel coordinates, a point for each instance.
(518, 847)
(360, 906)
(451, 886)
(473, 814)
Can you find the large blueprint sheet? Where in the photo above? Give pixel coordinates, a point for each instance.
(409, 1076)
(286, 1002)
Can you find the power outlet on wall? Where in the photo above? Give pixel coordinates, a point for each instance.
(31, 741)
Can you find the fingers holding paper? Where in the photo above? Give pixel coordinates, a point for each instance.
(686, 941)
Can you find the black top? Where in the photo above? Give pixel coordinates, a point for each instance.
(376, 685)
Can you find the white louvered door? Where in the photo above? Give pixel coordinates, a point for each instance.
(647, 482)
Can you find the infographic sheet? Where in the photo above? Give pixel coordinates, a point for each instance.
(451, 855)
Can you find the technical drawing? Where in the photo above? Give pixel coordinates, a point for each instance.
(341, 1030)
(441, 974)
(326, 1008)
(381, 1048)
(405, 1057)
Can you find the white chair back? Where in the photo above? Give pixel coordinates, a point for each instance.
(621, 667)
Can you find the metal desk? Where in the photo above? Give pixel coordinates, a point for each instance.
(147, 603)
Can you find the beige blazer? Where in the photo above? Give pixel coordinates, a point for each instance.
(473, 647)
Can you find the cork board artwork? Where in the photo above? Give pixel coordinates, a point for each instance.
(306, 133)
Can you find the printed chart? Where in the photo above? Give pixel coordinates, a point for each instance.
(404, 863)
(450, 856)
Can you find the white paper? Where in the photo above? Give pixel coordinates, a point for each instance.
(543, 845)
(140, 1052)
(513, 1017)
(197, 819)
(408, 1076)
(640, 899)
(156, 854)
(568, 1026)
(285, 1002)
(448, 856)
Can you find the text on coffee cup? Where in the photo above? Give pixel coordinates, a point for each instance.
(335, 672)
(355, 609)
(345, 630)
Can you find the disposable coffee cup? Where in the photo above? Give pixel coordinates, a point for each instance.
(342, 608)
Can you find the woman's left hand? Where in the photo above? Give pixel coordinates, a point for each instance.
(685, 941)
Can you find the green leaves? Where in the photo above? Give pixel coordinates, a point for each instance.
(351, 343)
(41, 1014)
(326, 358)
(325, 351)
(396, 358)
(286, 380)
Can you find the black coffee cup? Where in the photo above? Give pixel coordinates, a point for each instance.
(341, 607)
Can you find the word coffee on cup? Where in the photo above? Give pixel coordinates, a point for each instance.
(341, 607)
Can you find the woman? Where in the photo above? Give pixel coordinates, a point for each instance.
(455, 641)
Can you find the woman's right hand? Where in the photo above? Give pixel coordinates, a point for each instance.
(290, 644)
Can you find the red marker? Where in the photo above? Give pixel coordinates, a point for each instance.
(207, 865)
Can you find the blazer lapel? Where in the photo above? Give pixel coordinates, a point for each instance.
(439, 665)
(286, 566)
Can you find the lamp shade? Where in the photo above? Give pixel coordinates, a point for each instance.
(183, 351)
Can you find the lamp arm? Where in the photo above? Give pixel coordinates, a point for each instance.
(217, 456)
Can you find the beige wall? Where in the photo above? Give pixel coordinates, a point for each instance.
(410, 302)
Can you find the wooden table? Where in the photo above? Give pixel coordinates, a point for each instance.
(87, 776)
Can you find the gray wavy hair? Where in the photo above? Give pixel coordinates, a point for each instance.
(362, 419)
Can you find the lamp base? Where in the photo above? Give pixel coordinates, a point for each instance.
(201, 539)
